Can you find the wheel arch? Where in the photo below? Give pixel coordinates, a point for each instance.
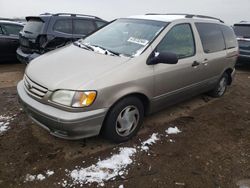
(229, 72)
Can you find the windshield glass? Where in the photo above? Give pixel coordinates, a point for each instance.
(242, 30)
(127, 37)
(33, 26)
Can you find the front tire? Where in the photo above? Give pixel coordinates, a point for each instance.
(221, 87)
(123, 120)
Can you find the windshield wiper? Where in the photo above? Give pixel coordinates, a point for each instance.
(84, 46)
(107, 51)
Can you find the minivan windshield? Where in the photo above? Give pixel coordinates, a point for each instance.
(33, 26)
(128, 37)
(242, 30)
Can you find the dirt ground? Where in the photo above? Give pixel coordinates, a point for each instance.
(213, 149)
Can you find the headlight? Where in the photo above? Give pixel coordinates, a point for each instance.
(75, 99)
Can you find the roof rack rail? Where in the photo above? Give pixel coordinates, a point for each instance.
(190, 16)
(70, 14)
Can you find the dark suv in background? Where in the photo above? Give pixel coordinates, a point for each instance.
(242, 31)
(50, 31)
(9, 42)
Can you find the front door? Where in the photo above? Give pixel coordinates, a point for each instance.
(173, 81)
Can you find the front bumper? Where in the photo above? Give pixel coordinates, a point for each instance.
(25, 58)
(60, 123)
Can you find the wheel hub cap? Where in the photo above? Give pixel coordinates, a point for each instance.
(127, 121)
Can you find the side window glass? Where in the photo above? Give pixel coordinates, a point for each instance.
(63, 26)
(11, 29)
(1, 31)
(230, 38)
(211, 37)
(99, 24)
(83, 27)
(178, 40)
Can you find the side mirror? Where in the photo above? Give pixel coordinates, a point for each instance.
(163, 57)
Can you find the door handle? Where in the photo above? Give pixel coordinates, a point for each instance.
(205, 62)
(195, 64)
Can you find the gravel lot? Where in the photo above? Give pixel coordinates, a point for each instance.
(212, 150)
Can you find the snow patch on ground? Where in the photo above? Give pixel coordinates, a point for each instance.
(152, 140)
(4, 123)
(38, 177)
(173, 130)
(111, 167)
(104, 169)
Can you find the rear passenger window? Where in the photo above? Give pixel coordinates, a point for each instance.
(178, 40)
(83, 27)
(63, 26)
(211, 37)
(230, 38)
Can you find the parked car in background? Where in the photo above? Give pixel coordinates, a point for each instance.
(50, 31)
(242, 31)
(134, 66)
(9, 40)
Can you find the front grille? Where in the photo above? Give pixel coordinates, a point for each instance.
(34, 89)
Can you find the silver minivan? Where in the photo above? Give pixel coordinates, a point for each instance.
(107, 82)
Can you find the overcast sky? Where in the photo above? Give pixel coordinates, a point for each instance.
(230, 11)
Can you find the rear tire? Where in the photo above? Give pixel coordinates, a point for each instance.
(221, 87)
(123, 120)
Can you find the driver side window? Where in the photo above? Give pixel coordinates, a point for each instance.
(178, 40)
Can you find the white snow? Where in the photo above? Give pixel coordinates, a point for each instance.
(173, 130)
(38, 177)
(104, 169)
(152, 140)
(111, 167)
(30, 177)
(3, 127)
(49, 173)
(4, 123)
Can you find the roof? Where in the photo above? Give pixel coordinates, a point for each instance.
(172, 17)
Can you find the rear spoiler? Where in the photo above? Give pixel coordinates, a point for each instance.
(34, 18)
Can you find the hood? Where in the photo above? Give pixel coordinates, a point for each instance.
(71, 67)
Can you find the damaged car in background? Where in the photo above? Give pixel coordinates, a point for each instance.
(50, 31)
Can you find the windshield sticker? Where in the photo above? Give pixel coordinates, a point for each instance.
(142, 42)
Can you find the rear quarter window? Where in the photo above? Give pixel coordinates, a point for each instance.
(63, 26)
(211, 37)
(229, 36)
